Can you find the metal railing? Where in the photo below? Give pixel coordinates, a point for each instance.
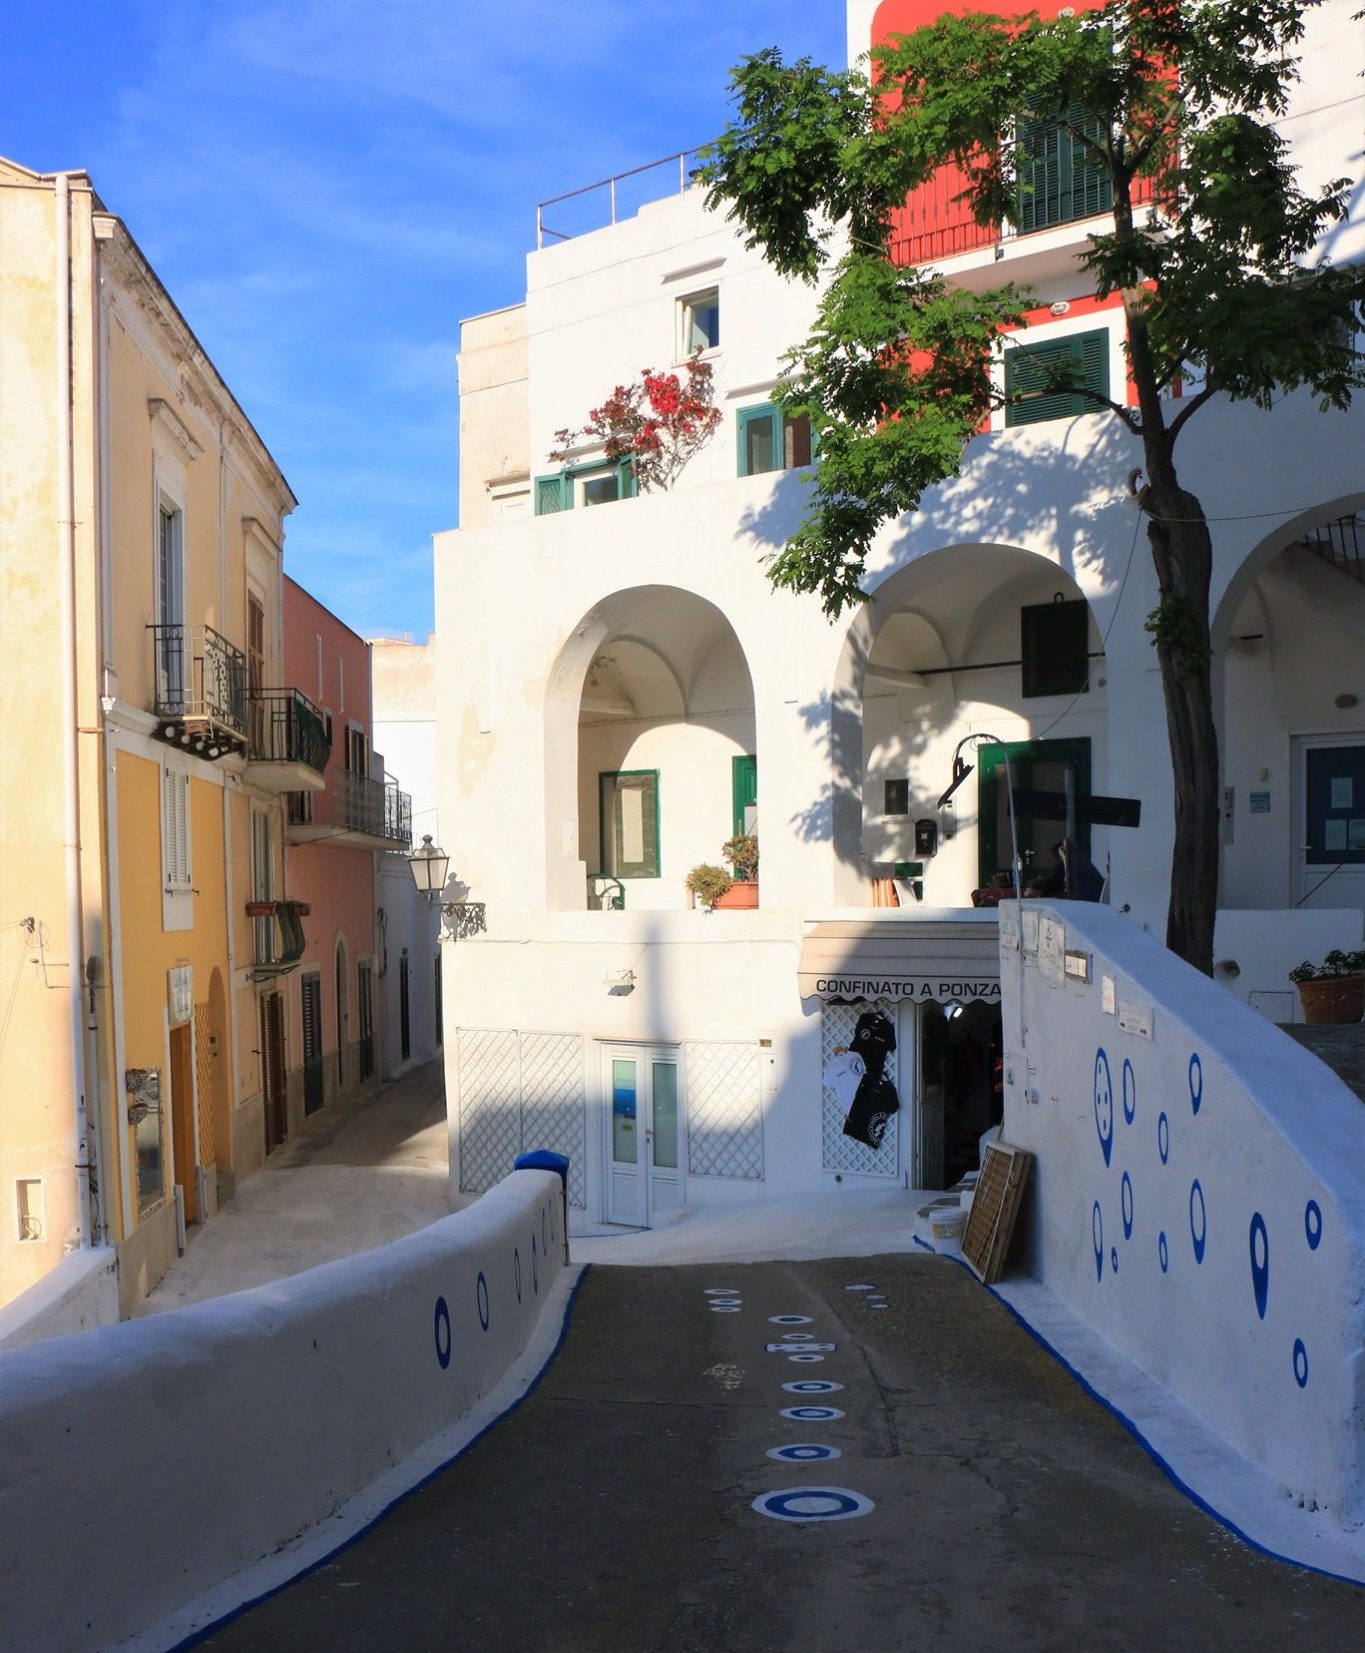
(609, 200)
(199, 674)
(286, 727)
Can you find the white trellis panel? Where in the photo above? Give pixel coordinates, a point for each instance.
(552, 1105)
(724, 1111)
(840, 1152)
(520, 1091)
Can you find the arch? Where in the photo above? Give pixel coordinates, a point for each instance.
(643, 661)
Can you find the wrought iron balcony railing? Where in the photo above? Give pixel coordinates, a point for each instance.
(286, 727)
(278, 940)
(200, 681)
(353, 804)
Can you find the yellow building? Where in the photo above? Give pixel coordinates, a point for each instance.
(145, 751)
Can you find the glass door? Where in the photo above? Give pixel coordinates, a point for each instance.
(644, 1159)
(1331, 817)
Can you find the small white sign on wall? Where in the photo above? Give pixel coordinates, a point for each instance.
(180, 992)
(1107, 996)
(1136, 1018)
(1030, 923)
(1052, 948)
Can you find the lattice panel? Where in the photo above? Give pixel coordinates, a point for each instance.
(840, 1152)
(552, 1106)
(490, 1107)
(724, 1112)
(203, 1064)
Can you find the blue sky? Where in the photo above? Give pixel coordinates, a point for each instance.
(327, 186)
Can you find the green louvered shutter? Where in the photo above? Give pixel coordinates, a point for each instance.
(553, 493)
(1060, 180)
(1084, 357)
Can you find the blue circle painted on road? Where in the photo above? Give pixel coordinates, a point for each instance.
(481, 1297)
(720, 1291)
(790, 1319)
(1162, 1252)
(726, 1308)
(812, 1386)
(804, 1452)
(1260, 1262)
(442, 1333)
(1104, 1103)
(813, 1504)
(1300, 1363)
(1097, 1238)
(535, 1271)
(810, 1414)
(516, 1269)
(1129, 1092)
(1196, 1082)
(1199, 1220)
(1126, 1204)
(811, 1359)
(860, 1288)
(1312, 1224)
(1163, 1138)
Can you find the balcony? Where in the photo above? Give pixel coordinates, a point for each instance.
(288, 742)
(200, 698)
(354, 812)
(277, 937)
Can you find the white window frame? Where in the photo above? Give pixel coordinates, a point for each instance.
(177, 857)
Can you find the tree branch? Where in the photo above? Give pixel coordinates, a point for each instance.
(1189, 407)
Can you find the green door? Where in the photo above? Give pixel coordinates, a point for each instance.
(1037, 766)
(744, 794)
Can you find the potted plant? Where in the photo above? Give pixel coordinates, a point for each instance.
(707, 884)
(1333, 991)
(741, 852)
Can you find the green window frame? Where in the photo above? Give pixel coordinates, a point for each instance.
(1030, 368)
(770, 440)
(557, 491)
(743, 791)
(623, 827)
(1054, 647)
(1059, 179)
(1026, 758)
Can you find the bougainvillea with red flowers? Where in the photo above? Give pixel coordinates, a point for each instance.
(657, 423)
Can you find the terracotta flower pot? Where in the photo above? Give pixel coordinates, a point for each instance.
(1333, 999)
(742, 893)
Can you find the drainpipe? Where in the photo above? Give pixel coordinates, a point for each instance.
(71, 812)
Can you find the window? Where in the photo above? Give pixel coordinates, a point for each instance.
(770, 440)
(1054, 642)
(172, 678)
(896, 797)
(1059, 178)
(175, 829)
(1030, 368)
(597, 484)
(630, 823)
(699, 322)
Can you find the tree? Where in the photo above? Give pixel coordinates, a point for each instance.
(1221, 283)
(657, 424)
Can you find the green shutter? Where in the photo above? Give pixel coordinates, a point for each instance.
(1054, 643)
(628, 485)
(1031, 368)
(629, 822)
(760, 440)
(1059, 179)
(554, 493)
(743, 790)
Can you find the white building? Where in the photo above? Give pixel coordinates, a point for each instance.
(629, 669)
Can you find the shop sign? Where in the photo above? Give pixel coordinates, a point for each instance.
(180, 979)
(940, 988)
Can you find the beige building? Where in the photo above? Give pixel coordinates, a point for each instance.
(145, 753)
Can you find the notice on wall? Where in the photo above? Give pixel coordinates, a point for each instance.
(1052, 949)
(1343, 792)
(1258, 803)
(1334, 834)
(180, 992)
(1108, 1000)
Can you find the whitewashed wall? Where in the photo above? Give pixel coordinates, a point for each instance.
(210, 1436)
(1198, 1196)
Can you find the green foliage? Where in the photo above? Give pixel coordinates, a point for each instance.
(1214, 276)
(1336, 964)
(742, 854)
(708, 883)
(1174, 626)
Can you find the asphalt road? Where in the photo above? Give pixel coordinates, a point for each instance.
(612, 1512)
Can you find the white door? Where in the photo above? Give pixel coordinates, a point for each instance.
(644, 1132)
(1330, 847)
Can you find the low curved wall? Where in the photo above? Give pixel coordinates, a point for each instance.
(142, 1463)
(1199, 1191)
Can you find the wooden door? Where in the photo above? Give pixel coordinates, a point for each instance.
(182, 1121)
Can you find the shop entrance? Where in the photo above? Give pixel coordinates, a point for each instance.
(644, 1164)
(960, 1090)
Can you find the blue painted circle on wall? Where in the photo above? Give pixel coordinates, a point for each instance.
(1163, 1138)
(1126, 1202)
(481, 1297)
(1114, 1258)
(544, 1243)
(1196, 1082)
(1300, 1363)
(1129, 1091)
(810, 1414)
(1104, 1103)
(516, 1269)
(1162, 1252)
(812, 1504)
(1260, 1262)
(442, 1333)
(1312, 1224)
(1097, 1238)
(535, 1271)
(1199, 1220)
(804, 1452)
(812, 1386)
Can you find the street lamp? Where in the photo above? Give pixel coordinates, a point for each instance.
(430, 869)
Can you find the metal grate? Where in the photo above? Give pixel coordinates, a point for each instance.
(724, 1111)
(840, 1152)
(519, 1091)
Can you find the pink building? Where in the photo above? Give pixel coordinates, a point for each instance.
(333, 835)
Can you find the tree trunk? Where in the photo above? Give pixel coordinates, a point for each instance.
(1183, 554)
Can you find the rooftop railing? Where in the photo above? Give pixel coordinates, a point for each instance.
(610, 200)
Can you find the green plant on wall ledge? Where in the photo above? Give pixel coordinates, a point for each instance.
(708, 883)
(1336, 965)
(1333, 991)
(742, 854)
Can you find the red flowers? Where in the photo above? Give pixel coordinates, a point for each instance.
(658, 424)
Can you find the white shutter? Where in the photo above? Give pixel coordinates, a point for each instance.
(176, 828)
